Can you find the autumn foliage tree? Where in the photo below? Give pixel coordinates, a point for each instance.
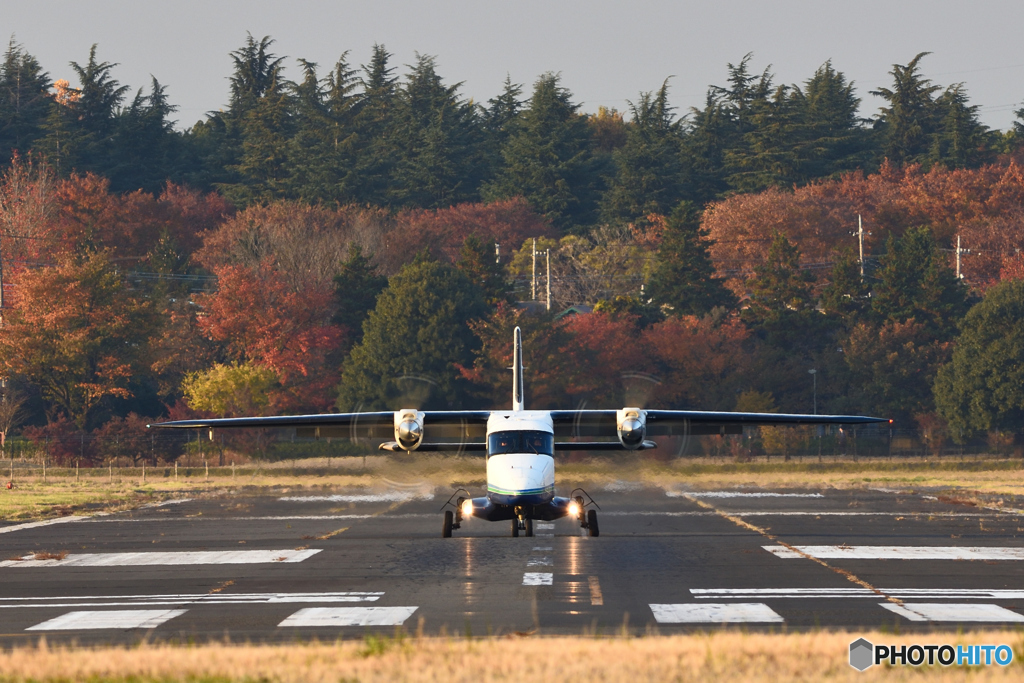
(77, 335)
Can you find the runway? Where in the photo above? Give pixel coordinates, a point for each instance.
(302, 565)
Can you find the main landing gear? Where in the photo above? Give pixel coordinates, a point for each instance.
(453, 520)
(587, 518)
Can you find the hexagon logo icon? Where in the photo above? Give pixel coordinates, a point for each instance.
(861, 654)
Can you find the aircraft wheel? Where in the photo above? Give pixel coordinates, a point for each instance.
(515, 528)
(592, 529)
(529, 527)
(446, 532)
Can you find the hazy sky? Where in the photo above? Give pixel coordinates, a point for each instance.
(606, 50)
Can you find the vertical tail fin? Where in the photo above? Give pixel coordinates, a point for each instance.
(517, 371)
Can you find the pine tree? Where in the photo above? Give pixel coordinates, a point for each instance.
(781, 305)
(910, 119)
(356, 288)
(916, 282)
(24, 101)
(146, 149)
(649, 176)
(440, 163)
(549, 160)
(961, 141)
(832, 139)
(477, 260)
(684, 279)
(377, 153)
(846, 295)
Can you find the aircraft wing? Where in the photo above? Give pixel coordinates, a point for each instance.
(377, 425)
(690, 422)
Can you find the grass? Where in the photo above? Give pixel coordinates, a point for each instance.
(971, 481)
(718, 655)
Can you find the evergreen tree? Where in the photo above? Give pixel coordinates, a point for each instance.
(501, 116)
(916, 282)
(781, 305)
(477, 260)
(438, 134)
(846, 296)
(413, 340)
(24, 101)
(982, 388)
(910, 119)
(147, 150)
(961, 140)
(684, 278)
(549, 159)
(80, 130)
(356, 288)
(832, 139)
(649, 176)
(704, 145)
(377, 152)
(322, 151)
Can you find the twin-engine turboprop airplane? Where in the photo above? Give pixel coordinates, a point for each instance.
(520, 444)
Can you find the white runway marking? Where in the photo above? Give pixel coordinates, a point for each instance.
(799, 513)
(715, 613)
(739, 494)
(174, 501)
(538, 579)
(167, 558)
(210, 518)
(121, 618)
(543, 525)
(900, 593)
(47, 522)
(944, 611)
(539, 562)
(186, 598)
(897, 552)
(389, 497)
(349, 616)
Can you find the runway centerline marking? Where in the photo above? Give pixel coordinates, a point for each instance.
(391, 497)
(120, 619)
(167, 558)
(48, 522)
(538, 579)
(849, 576)
(539, 562)
(944, 611)
(715, 613)
(544, 525)
(895, 552)
(349, 616)
(596, 596)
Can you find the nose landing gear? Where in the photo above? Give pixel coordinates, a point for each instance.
(521, 523)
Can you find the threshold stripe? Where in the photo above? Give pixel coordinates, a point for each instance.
(843, 593)
(712, 613)
(166, 558)
(894, 552)
(942, 611)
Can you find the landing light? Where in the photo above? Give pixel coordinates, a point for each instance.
(574, 509)
(467, 508)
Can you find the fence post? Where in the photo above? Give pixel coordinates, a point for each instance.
(76, 471)
(175, 470)
(206, 463)
(143, 471)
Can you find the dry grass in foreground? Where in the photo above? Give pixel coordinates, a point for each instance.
(721, 655)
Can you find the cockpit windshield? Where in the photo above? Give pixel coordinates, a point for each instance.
(541, 443)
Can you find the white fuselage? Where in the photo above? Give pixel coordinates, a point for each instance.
(520, 469)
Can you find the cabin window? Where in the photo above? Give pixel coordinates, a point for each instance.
(541, 443)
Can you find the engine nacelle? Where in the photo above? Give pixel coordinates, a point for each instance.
(632, 427)
(409, 429)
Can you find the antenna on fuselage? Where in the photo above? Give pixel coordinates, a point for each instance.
(517, 370)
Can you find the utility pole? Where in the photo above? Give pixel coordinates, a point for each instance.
(860, 239)
(533, 288)
(958, 256)
(814, 373)
(547, 255)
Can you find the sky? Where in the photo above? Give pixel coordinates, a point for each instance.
(607, 51)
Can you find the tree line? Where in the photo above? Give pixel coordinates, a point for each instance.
(368, 135)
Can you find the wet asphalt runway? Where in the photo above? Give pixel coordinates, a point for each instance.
(341, 564)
